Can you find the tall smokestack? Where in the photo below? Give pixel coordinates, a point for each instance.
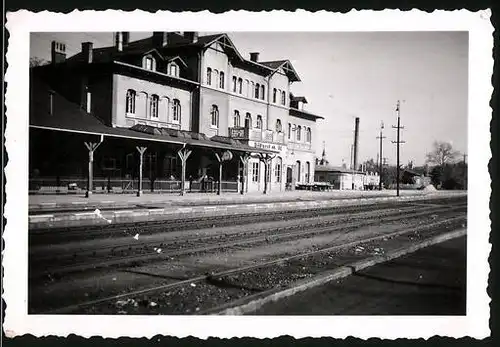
(356, 140)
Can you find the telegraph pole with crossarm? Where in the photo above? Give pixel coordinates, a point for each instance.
(398, 142)
(381, 137)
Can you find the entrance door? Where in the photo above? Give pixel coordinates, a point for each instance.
(289, 177)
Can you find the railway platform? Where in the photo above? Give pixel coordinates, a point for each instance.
(44, 203)
(75, 211)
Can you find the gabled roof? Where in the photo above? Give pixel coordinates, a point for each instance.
(286, 65)
(144, 46)
(176, 59)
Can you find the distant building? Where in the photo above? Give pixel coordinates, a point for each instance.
(415, 177)
(170, 92)
(345, 179)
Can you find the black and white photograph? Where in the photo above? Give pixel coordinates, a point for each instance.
(249, 174)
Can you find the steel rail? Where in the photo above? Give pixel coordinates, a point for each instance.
(48, 252)
(197, 279)
(153, 256)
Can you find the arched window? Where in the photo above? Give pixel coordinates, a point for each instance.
(240, 86)
(308, 171)
(283, 98)
(247, 86)
(252, 89)
(221, 80)
(234, 84)
(299, 130)
(262, 92)
(289, 131)
(279, 128)
(259, 122)
(308, 135)
(257, 89)
(209, 76)
(214, 112)
(153, 106)
(176, 111)
(277, 169)
(274, 95)
(165, 105)
(236, 118)
(216, 77)
(130, 106)
(248, 121)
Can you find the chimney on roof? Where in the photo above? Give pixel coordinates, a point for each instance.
(87, 52)
(191, 36)
(254, 56)
(121, 39)
(126, 38)
(160, 39)
(58, 52)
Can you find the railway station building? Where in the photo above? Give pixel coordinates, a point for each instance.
(171, 112)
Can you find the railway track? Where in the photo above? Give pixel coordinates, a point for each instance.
(235, 284)
(59, 263)
(180, 237)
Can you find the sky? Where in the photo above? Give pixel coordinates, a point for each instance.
(345, 75)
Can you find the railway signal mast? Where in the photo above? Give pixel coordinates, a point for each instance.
(381, 137)
(398, 142)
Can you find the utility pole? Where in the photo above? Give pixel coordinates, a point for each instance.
(398, 142)
(381, 137)
(465, 172)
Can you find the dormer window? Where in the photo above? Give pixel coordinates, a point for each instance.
(149, 63)
(173, 70)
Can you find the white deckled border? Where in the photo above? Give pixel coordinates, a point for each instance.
(475, 324)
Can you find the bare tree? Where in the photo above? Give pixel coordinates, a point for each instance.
(443, 153)
(35, 61)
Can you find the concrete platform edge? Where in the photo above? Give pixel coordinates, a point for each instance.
(88, 218)
(341, 272)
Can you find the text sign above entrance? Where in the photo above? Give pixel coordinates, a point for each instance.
(269, 146)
